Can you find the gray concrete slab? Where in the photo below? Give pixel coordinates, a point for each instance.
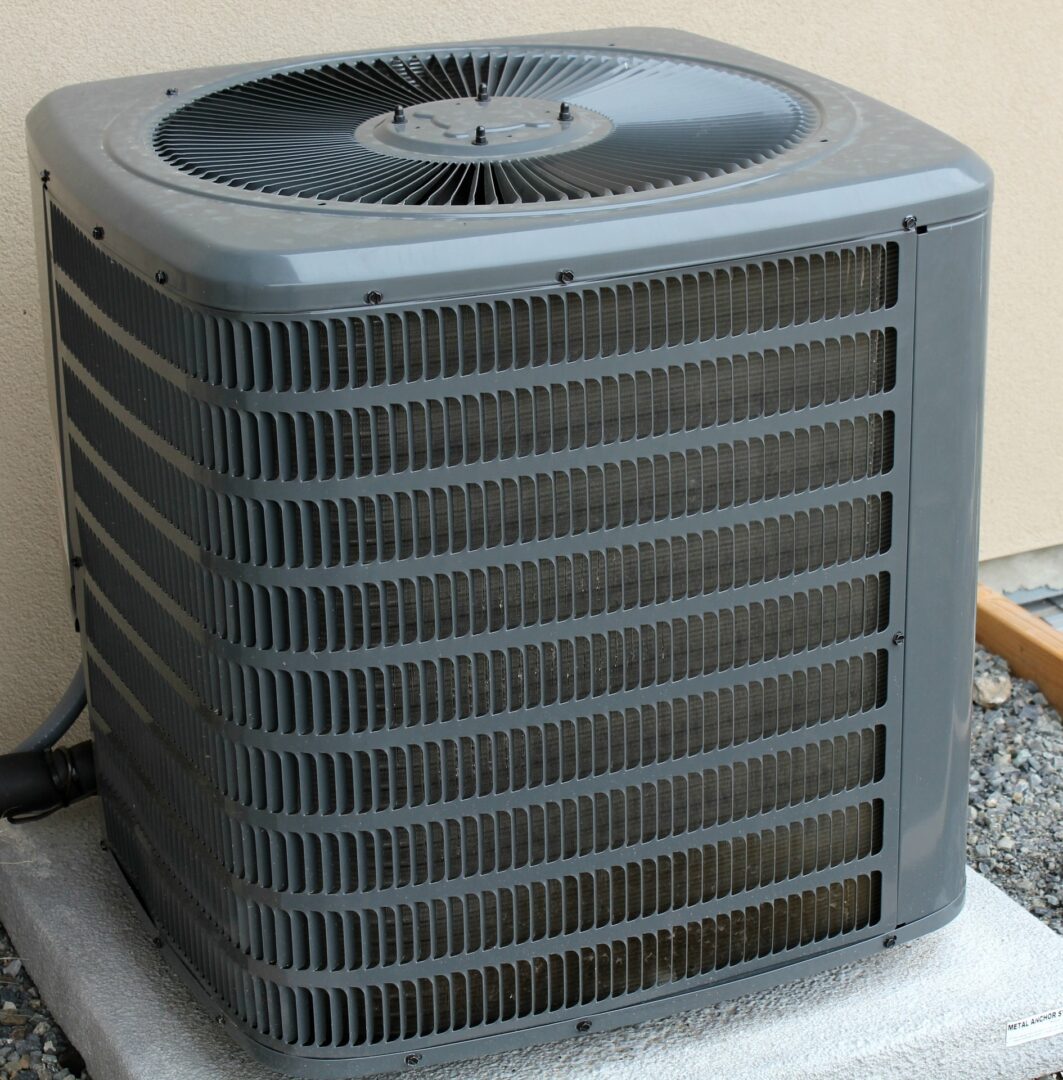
(935, 1008)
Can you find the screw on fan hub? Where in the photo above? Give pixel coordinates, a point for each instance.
(564, 114)
(481, 136)
(482, 95)
(399, 116)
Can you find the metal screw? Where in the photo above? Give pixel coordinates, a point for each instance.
(481, 94)
(583, 1026)
(161, 277)
(565, 112)
(103, 845)
(566, 277)
(889, 941)
(481, 137)
(399, 116)
(171, 91)
(413, 1059)
(898, 638)
(77, 562)
(97, 232)
(45, 175)
(157, 942)
(373, 297)
(219, 1019)
(909, 222)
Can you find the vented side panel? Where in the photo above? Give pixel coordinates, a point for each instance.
(462, 669)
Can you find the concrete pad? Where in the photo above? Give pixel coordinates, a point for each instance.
(936, 1008)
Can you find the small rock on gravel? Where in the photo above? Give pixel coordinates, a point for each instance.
(991, 688)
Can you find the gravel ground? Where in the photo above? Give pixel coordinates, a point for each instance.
(1015, 816)
(1015, 838)
(31, 1045)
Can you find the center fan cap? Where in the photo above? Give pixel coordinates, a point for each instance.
(482, 128)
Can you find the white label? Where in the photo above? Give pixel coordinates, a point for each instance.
(1042, 1026)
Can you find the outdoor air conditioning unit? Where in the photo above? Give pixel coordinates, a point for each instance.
(522, 501)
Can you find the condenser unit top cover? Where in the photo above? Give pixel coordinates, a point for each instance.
(280, 186)
(522, 507)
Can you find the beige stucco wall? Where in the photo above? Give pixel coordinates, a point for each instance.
(988, 73)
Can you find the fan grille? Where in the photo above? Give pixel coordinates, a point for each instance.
(323, 132)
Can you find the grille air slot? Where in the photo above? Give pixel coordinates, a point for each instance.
(331, 617)
(667, 878)
(567, 980)
(508, 846)
(512, 510)
(318, 862)
(512, 677)
(503, 424)
(560, 327)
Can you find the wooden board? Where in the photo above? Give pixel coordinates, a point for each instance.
(1031, 647)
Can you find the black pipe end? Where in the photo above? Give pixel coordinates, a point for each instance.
(34, 783)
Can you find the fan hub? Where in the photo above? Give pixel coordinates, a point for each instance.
(467, 129)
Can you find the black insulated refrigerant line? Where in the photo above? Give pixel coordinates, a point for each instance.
(38, 778)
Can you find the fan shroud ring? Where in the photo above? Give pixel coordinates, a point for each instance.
(675, 123)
